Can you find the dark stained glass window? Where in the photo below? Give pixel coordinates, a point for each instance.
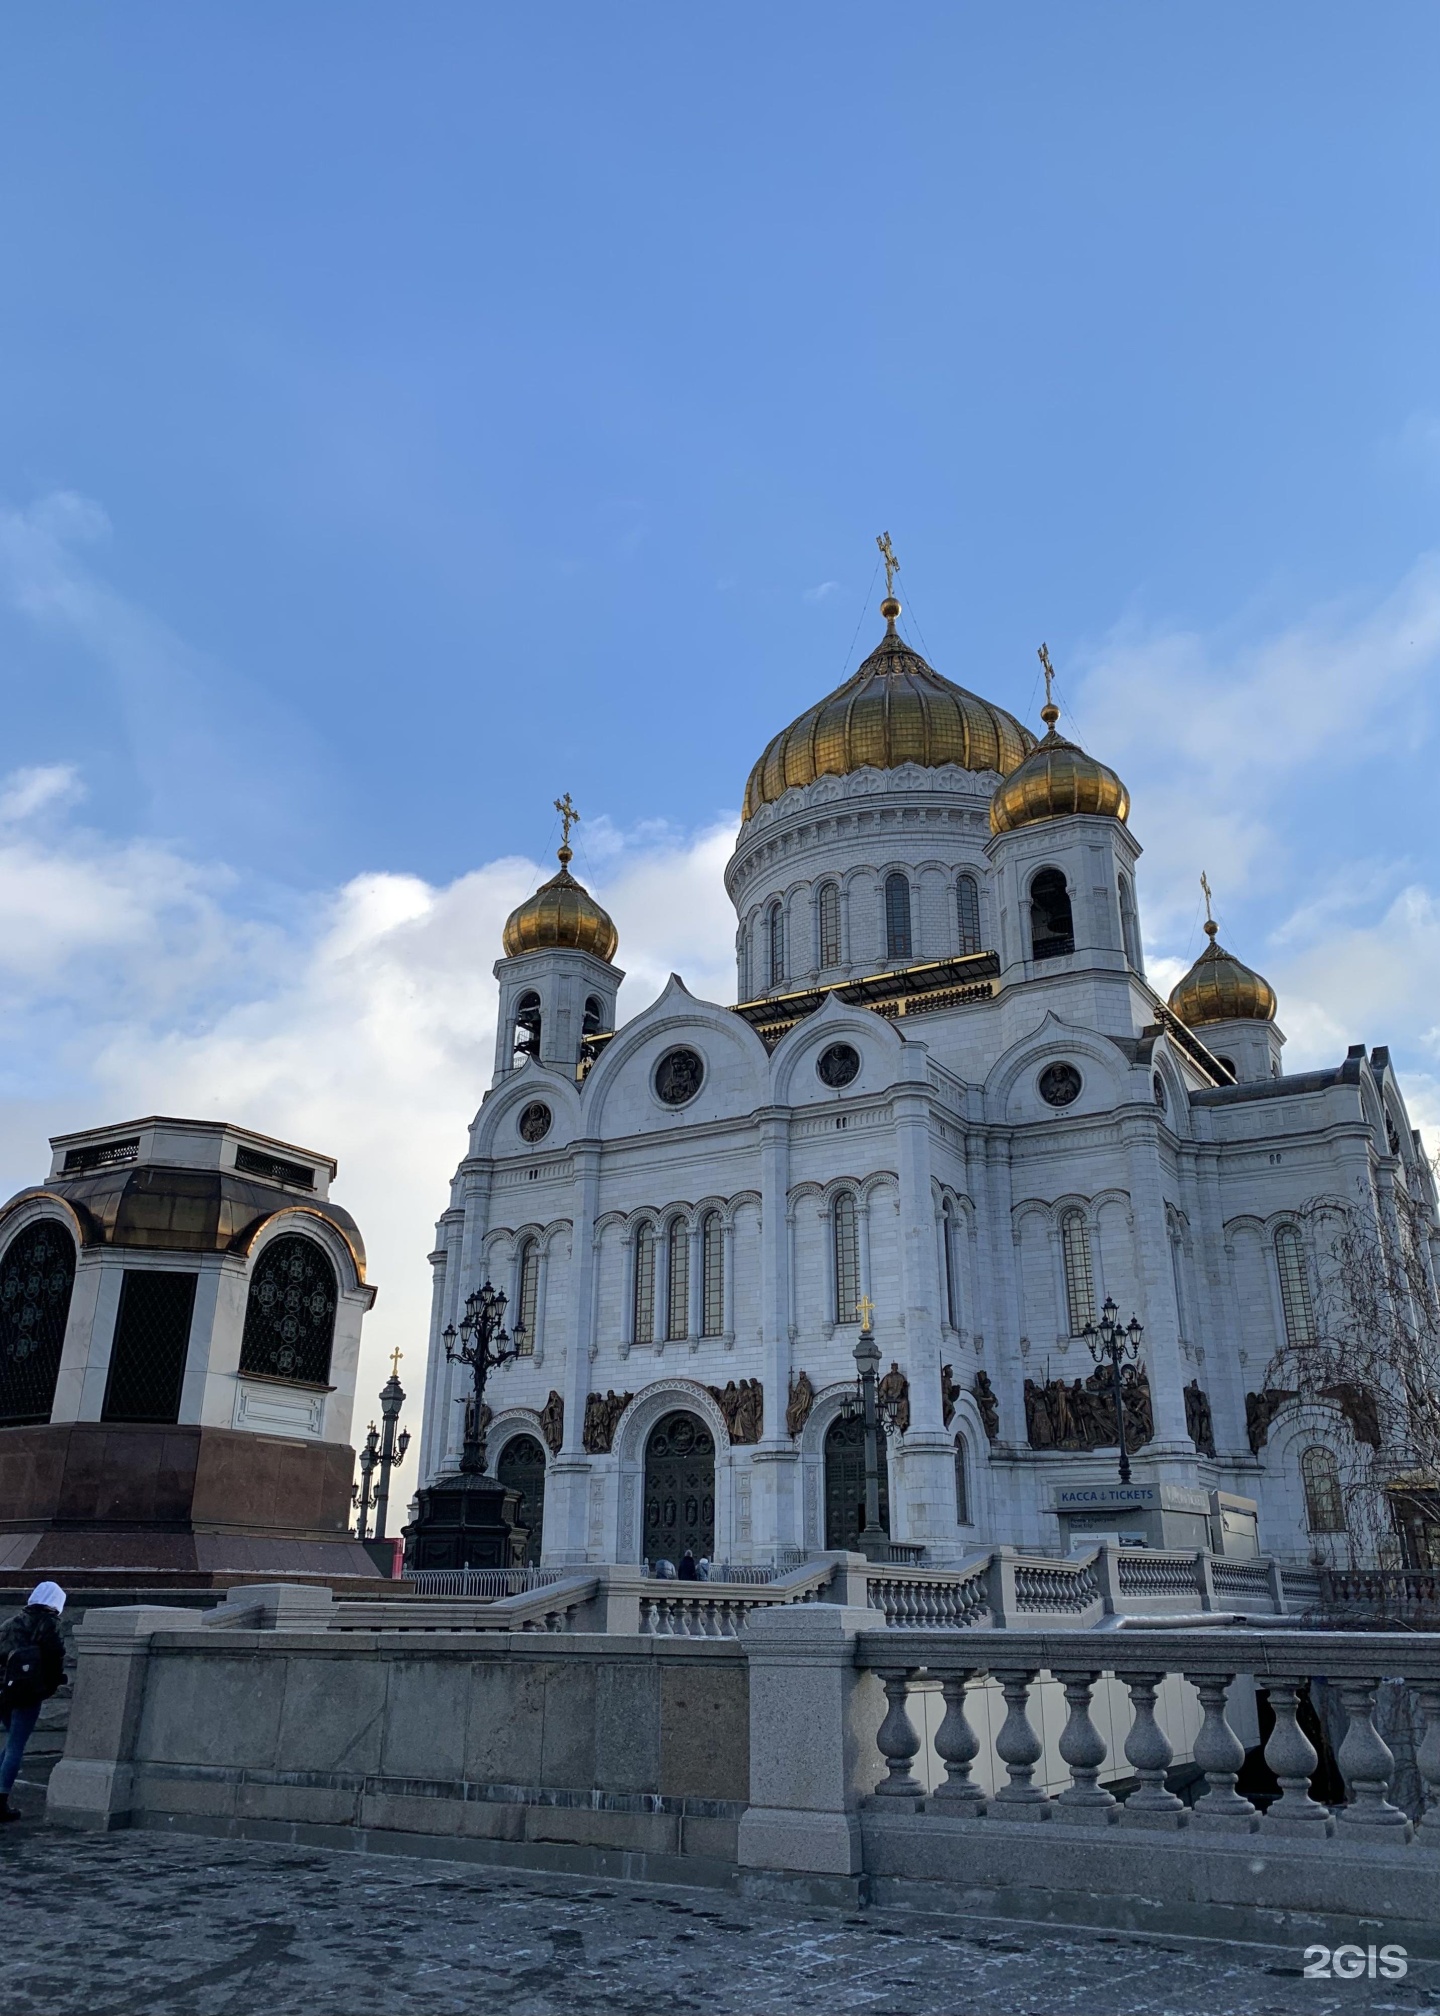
(290, 1317)
(152, 1338)
(36, 1276)
(897, 917)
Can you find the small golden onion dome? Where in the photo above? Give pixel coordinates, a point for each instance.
(896, 709)
(1218, 988)
(1056, 779)
(562, 913)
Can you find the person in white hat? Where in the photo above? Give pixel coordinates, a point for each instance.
(32, 1666)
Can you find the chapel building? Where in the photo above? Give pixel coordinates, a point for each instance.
(950, 1095)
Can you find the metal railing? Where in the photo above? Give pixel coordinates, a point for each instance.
(488, 1584)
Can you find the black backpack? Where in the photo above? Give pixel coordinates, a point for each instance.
(24, 1685)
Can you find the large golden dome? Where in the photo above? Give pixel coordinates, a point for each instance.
(1056, 779)
(896, 709)
(562, 913)
(1219, 988)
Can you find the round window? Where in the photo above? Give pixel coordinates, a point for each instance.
(535, 1121)
(679, 1076)
(1159, 1087)
(838, 1065)
(1060, 1084)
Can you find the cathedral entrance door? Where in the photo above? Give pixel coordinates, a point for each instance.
(845, 1481)
(679, 1489)
(522, 1467)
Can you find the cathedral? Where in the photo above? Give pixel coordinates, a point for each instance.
(950, 1102)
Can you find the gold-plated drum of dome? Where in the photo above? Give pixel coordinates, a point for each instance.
(1057, 779)
(561, 914)
(1221, 988)
(896, 709)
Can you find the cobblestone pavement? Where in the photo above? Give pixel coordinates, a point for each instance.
(181, 1925)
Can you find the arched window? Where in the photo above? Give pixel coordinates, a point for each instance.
(1052, 926)
(898, 937)
(290, 1314)
(1324, 1501)
(527, 1026)
(967, 905)
(644, 1303)
(712, 1275)
(1079, 1274)
(677, 1280)
(1129, 926)
(962, 1482)
(1294, 1287)
(829, 926)
(594, 1019)
(952, 1296)
(775, 944)
(36, 1277)
(527, 1294)
(847, 1258)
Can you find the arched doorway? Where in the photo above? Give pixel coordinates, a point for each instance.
(679, 1489)
(522, 1468)
(845, 1480)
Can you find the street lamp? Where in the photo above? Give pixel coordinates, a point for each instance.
(392, 1446)
(873, 1541)
(483, 1343)
(1116, 1344)
(361, 1495)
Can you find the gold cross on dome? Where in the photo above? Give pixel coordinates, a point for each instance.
(395, 1356)
(892, 565)
(1205, 885)
(1043, 654)
(568, 816)
(865, 1310)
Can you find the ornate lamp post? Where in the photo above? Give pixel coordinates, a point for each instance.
(483, 1343)
(1115, 1344)
(361, 1495)
(392, 1446)
(873, 1541)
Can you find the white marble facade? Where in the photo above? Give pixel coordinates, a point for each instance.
(971, 1194)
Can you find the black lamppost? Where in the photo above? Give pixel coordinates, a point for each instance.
(483, 1343)
(873, 1542)
(361, 1495)
(1116, 1344)
(392, 1446)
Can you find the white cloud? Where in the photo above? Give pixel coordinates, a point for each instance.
(27, 792)
(821, 591)
(133, 980)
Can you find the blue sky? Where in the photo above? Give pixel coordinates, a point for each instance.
(408, 414)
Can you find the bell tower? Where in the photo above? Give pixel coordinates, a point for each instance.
(558, 978)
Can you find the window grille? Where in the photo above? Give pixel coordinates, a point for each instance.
(644, 1309)
(528, 1284)
(677, 1315)
(1079, 1274)
(290, 1315)
(1294, 1287)
(36, 1277)
(1129, 927)
(712, 1274)
(152, 1338)
(967, 904)
(847, 1259)
(100, 1155)
(898, 942)
(775, 931)
(952, 1299)
(1324, 1501)
(962, 1483)
(829, 926)
(274, 1169)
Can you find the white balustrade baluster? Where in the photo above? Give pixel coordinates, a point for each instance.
(1427, 1758)
(1148, 1748)
(1084, 1750)
(1019, 1750)
(896, 1738)
(1291, 1756)
(1221, 1756)
(1367, 1765)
